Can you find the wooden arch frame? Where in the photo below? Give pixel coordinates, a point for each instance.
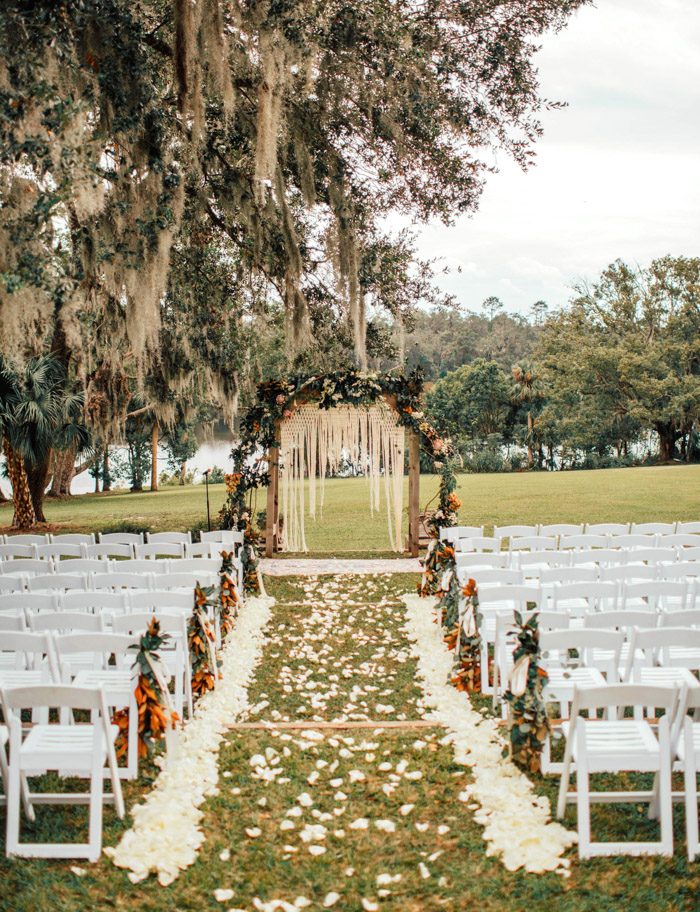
(273, 457)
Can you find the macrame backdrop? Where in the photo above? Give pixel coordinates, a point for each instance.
(313, 444)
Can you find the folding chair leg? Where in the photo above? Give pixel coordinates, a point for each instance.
(115, 780)
(13, 800)
(583, 806)
(95, 826)
(691, 794)
(664, 791)
(5, 775)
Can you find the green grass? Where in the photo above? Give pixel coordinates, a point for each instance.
(461, 875)
(657, 493)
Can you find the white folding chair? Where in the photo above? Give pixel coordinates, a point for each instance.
(82, 565)
(160, 600)
(26, 659)
(103, 603)
(57, 582)
(533, 543)
(57, 551)
(27, 539)
(532, 563)
(114, 581)
(120, 538)
(691, 554)
(482, 559)
(560, 529)
(154, 550)
(633, 540)
(583, 670)
(653, 528)
(454, 533)
(12, 622)
(598, 557)
(81, 748)
(179, 538)
(607, 528)
(692, 528)
(10, 551)
(66, 622)
(196, 565)
(679, 540)
(553, 575)
(109, 551)
(582, 542)
(653, 556)
(478, 543)
(688, 617)
(225, 536)
(514, 531)
(490, 576)
(494, 600)
(11, 584)
(26, 567)
(23, 602)
(615, 745)
(663, 656)
(141, 565)
(187, 580)
(628, 573)
(84, 660)
(73, 538)
(204, 549)
(579, 598)
(662, 595)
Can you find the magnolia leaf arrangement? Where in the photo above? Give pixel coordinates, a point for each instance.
(201, 640)
(528, 722)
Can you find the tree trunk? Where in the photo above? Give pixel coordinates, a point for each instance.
(24, 516)
(63, 472)
(667, 441)
(183, 472)
(38, 477)
(106, 477)
(154, 457)
(529, 440)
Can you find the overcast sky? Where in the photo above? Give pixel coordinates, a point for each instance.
(617, 172)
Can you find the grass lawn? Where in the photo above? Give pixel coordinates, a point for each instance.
(640, 494)
(350, 653)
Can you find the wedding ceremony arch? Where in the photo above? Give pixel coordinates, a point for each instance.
(300, 429)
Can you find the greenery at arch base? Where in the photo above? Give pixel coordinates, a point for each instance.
(276, 401)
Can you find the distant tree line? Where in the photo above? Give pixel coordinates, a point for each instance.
(612, 379)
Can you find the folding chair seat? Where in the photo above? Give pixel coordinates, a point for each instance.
(82, 748)
(26, 659)
(454, 533)
(616, 745)
(560, 529)
(179, 538)
(625, 621)
(174, 654)
(73, 538)
(664, 656)
(84, 660)
(58, 582)
(607, 528)
(566, 671)
(11, 551)
(154, 550)
(109, 551)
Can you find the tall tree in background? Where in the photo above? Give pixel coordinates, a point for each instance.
(526, 390)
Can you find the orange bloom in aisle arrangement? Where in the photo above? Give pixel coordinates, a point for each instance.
(202, 644)
(229, 600)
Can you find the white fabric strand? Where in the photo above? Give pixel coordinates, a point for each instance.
(314, 442)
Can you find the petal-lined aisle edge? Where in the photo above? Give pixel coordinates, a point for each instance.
(166, 834)
(518, 827)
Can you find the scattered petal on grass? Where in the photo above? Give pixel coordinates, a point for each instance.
(330, 899)
(424, 872)
(317, 850)
(225, 855)
(406, 809)
(253, 832)
(369, 905)
(386, 826)
(360, 824)
(79, 872)
(223, 895)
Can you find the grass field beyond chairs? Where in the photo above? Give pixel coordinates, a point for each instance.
(629, 495)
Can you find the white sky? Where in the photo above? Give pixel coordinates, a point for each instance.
(617, 172)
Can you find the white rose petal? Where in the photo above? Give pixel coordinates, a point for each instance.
(330, 899)
(225, 855)
(223, 895)
(253, 832)
(406, 809)
(360, 824)
(424, 872)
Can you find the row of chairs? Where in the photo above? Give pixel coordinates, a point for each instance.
(109, 550)
(586, 541)
(533, 563)
(220, 536)
(103, 603)
(454, 533)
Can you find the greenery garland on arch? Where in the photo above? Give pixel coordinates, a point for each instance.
(277, 399)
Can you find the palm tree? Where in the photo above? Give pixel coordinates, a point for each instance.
(37, 415)
(527, 387)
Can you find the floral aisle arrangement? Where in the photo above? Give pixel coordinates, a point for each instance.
(449, 504)
(528, 722)
(517, 823)
(201, 640)
(466, 670)
(228, 599)
(166, 834)
(153, 703)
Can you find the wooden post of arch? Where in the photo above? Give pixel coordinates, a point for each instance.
(272, 514)
(413, 493)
